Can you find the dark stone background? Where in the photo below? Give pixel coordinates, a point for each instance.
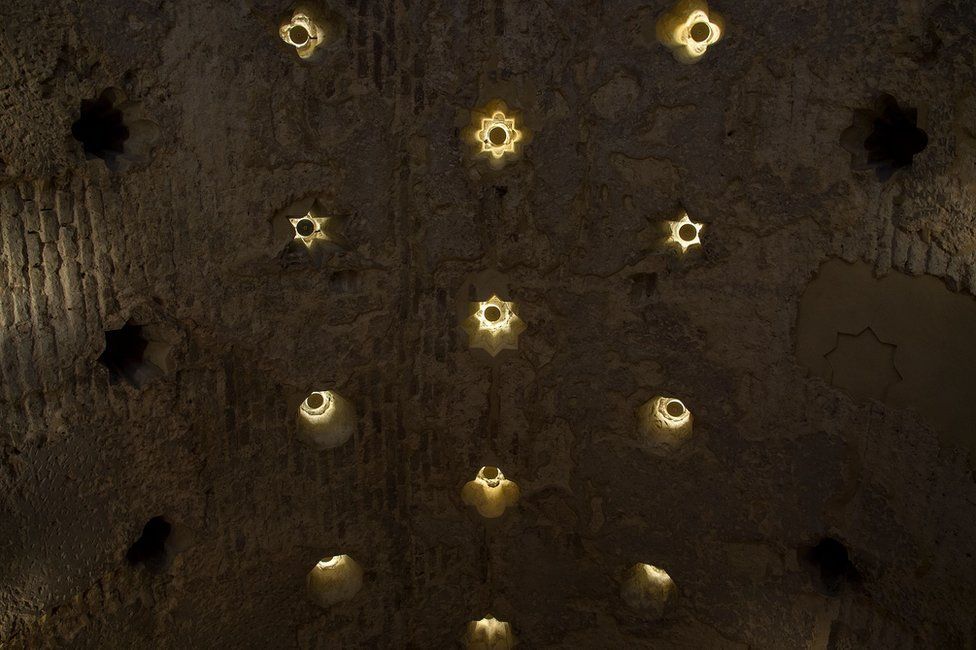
(186, 235)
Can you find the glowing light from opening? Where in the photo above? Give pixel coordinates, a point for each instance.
(309, 229)
(672, 413)
(489, 634)
(688, 29)
(665, 421)
(685, 232)
(326, 420)
(316, 406)
(328, 562)
(490, 492)
(334, 579)
(649, 588)
(302, 33)
(496, 133)
(493, 325)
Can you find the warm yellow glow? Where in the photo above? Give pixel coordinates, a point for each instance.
(689, 29)
(334, 579)
(309, 229)
(496, 133)
(316, 406)
(326, 420)
(665, 421)
(671, 413)
(649, 588)
(655, 576)
(490, 492)
(685, 232)
(329, 562)
(302, 33)
(489, 634)
(493, 326)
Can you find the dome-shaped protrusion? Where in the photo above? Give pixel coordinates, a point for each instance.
(649, 589)
(665, 421)
(489, 634)
(326, 420)
(334, 579)
(689, 29)
(490, 492)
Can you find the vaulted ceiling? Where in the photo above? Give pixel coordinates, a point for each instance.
(254, 390)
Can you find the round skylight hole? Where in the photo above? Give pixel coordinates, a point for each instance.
(305, 227)
(675, 408)
(700, 32)
(298, 35)
(315, 401)
(498, 135)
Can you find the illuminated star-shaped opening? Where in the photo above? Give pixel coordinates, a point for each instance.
(493, 326)
(689, 29)
(697, 33)
(498, 135)
(302, 33)
(685, 233)
(309, 229)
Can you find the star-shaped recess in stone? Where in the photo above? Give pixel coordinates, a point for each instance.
(885, 138)
(308, 229)
(863, 365)
(498, 135)
(302, 33)
(688, 29)
(493, 326)
(685, 232)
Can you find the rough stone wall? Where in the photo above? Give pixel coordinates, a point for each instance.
(192, 242)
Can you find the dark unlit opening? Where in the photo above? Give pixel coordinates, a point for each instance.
(150, 549)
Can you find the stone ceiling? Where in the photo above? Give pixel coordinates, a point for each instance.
(161, 325)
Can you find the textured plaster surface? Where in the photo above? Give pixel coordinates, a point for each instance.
(195, 244)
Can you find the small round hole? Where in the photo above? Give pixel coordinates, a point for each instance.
(298, 35)
(490, 472)
(315, 401)
(688, 232)
(675, 408)
(700, 32)
(492, 314)
(305, 227)
(498, 135)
